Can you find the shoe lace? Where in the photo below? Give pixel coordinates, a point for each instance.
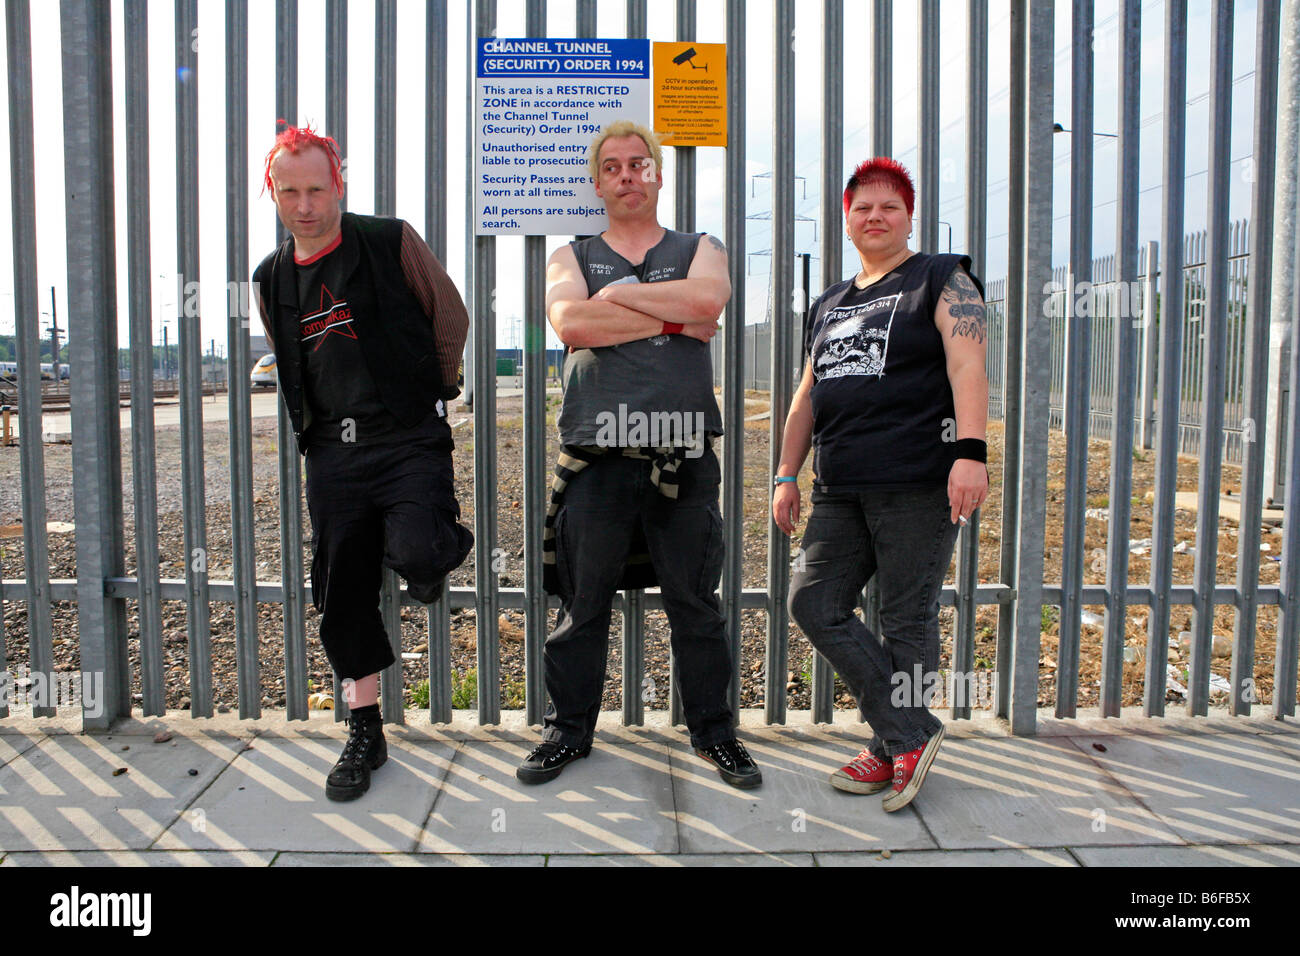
(866, 762)
(547, 748)
(731, 753)
(359, 740)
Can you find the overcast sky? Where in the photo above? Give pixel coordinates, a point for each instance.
(51, 217)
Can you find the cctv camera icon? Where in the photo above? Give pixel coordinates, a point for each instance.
(686, 56)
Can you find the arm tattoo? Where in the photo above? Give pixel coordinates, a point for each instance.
(965, 306)
(717, 244)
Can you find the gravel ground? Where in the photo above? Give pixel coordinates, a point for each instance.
(59, 503)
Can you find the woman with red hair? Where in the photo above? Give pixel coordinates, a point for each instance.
(893, 403)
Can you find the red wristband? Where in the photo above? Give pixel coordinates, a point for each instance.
(672, 328)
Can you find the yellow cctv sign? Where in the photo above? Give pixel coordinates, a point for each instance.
(690, 93)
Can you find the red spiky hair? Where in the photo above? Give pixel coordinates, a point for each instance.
(881, 171)
(295, 139)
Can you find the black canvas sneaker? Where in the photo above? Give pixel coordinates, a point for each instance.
(547, 760)
(734, 763)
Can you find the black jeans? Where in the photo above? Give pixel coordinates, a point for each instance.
(375, 506)
(906, 539)
(603, 507)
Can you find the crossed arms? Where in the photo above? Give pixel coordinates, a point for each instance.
(630, 311)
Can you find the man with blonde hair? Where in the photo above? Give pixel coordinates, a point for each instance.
(635, 497)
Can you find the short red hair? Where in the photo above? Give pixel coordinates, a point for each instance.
(295, 139)
(881, 171)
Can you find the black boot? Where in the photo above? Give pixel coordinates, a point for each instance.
(366, 750)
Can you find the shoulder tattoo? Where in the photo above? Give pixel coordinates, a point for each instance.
(966, 307)
(717, 244)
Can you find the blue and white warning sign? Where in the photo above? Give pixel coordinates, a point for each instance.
(540, 103)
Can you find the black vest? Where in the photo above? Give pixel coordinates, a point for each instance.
(396, 336)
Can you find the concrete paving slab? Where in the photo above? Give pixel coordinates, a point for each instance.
(683, 859)
(62, 794)
(1026, 856)
(272, 797)
(1287, 744)
(1183, 856)
(406, 859)
(165, 858)
(794, 811)
(12, 745)
(1207, 789)
(1025, 792)
(618, 800)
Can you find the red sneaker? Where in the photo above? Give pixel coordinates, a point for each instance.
(909, 773)
(865, 773)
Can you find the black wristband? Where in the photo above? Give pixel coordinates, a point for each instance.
(972, 448)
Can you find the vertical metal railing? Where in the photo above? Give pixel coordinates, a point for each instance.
(684, 214)
(190, 338)
(86, 33)
(977, 83)
(487, 598)
(1255, 360)
(1170, 358)
(535, 488)
(238, 306)
(1078, 361)
(1287, 133)
(22, 170)
(1288, 625)
(778, 545)
(139, 281)
(1014, 327)
(1032, 476)
(1124, 357)
(390, 595)
(733, 349)
(1215, 326)
(632, 629)
(1202, 355)
(436, 51)
(822, 702)
(290, 461)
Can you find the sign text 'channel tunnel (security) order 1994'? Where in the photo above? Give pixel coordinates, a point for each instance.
(539, 104)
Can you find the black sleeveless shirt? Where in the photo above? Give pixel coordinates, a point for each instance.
(881, 401)
(663, 380)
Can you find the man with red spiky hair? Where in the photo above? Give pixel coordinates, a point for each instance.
(368, 331)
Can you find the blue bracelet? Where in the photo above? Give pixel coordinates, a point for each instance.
(779, 479)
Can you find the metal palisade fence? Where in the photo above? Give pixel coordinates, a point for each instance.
(1193, 385)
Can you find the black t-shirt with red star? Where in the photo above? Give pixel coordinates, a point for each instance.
(346, 407)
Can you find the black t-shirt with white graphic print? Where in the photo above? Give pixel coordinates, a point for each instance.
(346, 407)
(881, 401)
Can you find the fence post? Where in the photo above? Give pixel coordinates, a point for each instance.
(1171, 349)
(238, 312)
(1034, 373)
(86, 29)
(734, 334)
(1078, 360)
(1214, 322)
(22, 171)
(487, 597)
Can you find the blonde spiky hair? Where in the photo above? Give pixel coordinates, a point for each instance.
(617, 130)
